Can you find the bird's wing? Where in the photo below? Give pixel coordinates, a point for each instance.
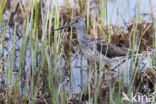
(111, 50)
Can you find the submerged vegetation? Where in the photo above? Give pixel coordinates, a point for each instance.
(39, 65)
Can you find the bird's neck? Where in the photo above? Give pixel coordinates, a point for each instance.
(81, 33)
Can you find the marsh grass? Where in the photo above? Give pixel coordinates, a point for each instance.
(154, 45)
(46, 73)
(2, 7)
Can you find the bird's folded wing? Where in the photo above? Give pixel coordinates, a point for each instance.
(111, 50)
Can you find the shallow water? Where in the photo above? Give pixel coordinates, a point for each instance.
(124, 10)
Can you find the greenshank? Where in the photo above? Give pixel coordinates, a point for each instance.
(95, 49)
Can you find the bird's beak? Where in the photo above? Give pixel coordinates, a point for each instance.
(66, 26)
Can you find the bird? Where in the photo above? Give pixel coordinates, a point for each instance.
(95, 50)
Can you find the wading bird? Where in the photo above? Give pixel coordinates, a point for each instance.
(94, 49)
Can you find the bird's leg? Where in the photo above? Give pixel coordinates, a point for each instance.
(107, 66)
(119, 64)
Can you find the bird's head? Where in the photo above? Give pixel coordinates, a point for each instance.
(76, 22)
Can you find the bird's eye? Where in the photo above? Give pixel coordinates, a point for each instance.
(76, 20)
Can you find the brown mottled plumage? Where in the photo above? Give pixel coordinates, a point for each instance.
(94, 49)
